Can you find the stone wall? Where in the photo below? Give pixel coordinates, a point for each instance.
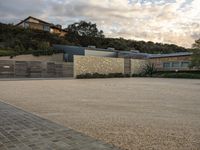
(34, 69)
(137, 65)
(101, 65)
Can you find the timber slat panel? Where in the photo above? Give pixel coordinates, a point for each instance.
(34, 69)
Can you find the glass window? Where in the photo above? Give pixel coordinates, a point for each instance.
(46, 28)
(175, 64)
(26, 25)
(185, 64)
(166, 65)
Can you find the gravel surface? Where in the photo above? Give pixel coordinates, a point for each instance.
(135, 113)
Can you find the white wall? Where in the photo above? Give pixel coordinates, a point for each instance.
(99, 53)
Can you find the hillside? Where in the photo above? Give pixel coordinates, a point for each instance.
(15, 41)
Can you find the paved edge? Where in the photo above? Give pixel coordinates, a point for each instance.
(22, 130)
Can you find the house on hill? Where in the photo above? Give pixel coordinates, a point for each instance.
(35, 23)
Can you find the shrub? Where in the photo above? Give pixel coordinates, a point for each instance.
(148, 70)
(49, 51)
(180, 75)
(97, 75)
(7, 53)
(195, 63)
(138, 75)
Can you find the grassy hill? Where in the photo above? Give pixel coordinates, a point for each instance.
(16, 41)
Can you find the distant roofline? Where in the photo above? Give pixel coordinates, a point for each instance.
(178, 54)
(100, 49)
(50, 24)
(35, 19)
(147, 55)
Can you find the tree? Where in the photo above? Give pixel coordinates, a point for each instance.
(83, 29)
(196, 54)
(196, 45)
(82, 33)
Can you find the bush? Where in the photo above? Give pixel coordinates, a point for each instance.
(172, 74)
(195, 63)
(179, 75)
(97, 75)
(7, 53)
(138, 75)
(49, 51)
(149, 70)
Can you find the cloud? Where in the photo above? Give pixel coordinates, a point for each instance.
(168, 21)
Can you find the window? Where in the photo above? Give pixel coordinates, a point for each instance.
(166, 65)
(175, 64)
(26, 25)
(185, 64)
(46, 28)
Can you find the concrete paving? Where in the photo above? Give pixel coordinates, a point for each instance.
(20, 130)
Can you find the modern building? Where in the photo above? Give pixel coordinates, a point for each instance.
(172, 62)
(35, 23)
(163, 62)
(70, 51)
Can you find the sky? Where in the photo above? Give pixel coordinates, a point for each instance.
(166, 21)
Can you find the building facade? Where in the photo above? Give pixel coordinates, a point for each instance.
(71, 51)
(163, 62)
(35, 23)
(172, 62)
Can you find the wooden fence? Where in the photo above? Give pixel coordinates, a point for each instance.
(34, 69)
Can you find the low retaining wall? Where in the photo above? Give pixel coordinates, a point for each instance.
(138, 65)
(82, 65)
(105, 65)
(101, 65)
(34, 69)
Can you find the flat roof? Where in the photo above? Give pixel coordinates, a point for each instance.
(179, 54)
(131, 53)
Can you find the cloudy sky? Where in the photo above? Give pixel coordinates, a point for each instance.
(167, 21)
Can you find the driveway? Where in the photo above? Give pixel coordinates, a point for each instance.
(131, 113)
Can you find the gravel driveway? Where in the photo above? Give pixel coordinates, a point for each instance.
(132, 113)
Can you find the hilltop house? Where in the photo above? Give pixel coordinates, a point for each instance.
(35, 23)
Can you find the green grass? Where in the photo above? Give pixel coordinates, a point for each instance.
(7, 53)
